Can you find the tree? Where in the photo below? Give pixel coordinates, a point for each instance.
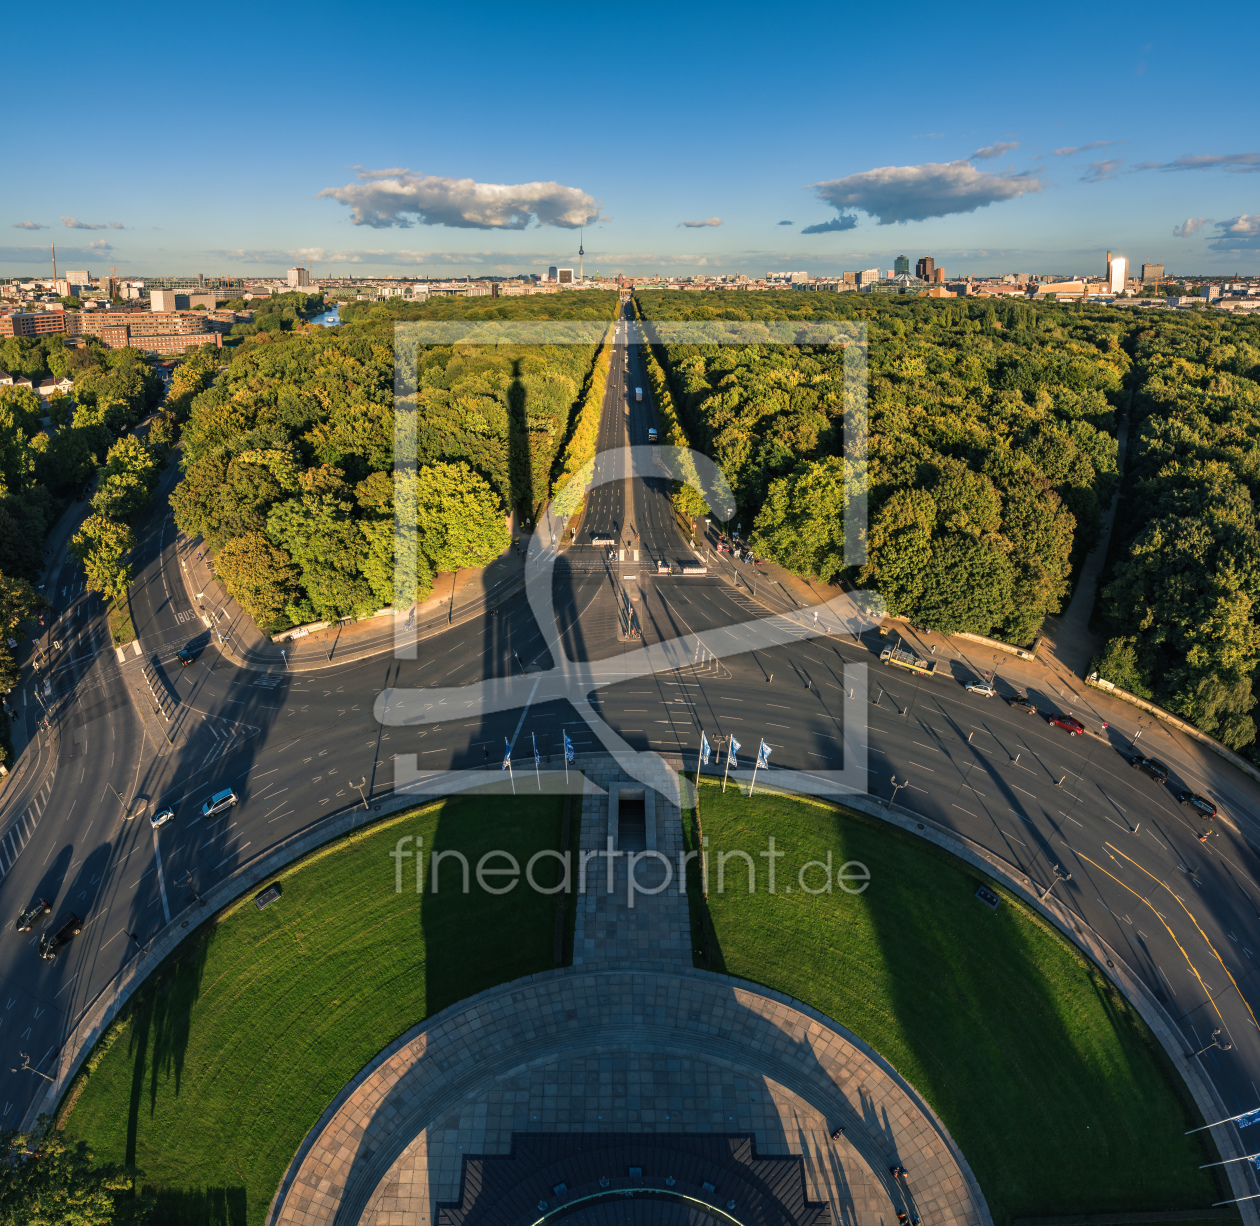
(261, 577)
(18, 602)
(127, 480)
(47, 1180)
(459, 518)
(102, 545)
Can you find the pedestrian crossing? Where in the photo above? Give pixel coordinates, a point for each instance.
(19, 833)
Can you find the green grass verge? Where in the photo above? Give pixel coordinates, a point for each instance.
(121, 629)
(229, 1054)
(1051, 1084)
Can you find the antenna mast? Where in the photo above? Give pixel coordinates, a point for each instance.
(54, 247)
(581, 253)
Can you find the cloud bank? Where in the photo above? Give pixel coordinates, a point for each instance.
(1241, 233)
(914, 193)
(28, 225)
(397, 197)
(1098, 171)
(73, 223)
(695, 225)
(846, 221)
(1235, 163)
(1190, 227)
(1068, 151)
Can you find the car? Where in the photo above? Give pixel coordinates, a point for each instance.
(1069, 723)
(160, 819)
(1150, 766)
(651, 434)
(37, 910)
(983, 688)
(185, 657)
(1195, 801)
(50, 945)
(1020, 701)
(220, 802)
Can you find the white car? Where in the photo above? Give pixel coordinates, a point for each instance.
(160, 819)
(983, 688)
(220, 802)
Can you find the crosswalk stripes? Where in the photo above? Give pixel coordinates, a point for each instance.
(19, 834)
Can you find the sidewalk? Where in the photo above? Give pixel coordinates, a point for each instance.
(457, 598)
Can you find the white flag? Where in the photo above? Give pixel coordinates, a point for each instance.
(763, 756)
(706, 750)
(733, 749)
(507, 754)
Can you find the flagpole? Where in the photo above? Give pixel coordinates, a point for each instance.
(512, 776)
(537, 776)
(699, 757)
(727, 771)
(1232, 1118)
(756, 764)
(566, 764)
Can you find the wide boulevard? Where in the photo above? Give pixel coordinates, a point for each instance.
(74, 825)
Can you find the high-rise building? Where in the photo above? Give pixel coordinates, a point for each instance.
(867, 276)
(1152, 274)
(1117, 270)
(901, 264)
(939, 276)
(564, 276)
(298, 277)
(551, 273)
(925, 269)
(79, 277)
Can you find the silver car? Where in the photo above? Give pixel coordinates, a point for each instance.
(161, 818)
(220, 802)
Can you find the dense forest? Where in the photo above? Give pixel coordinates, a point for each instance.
(1180, 605)
(288, 457)
(992, 444)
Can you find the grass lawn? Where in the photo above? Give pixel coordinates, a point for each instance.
(1051, 1084)
(120, 627)
(227, 1057)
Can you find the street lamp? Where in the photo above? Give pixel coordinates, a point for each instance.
(897, 788)
(201, 902)
(1059, 875)
(1216, 1042)
(27, 1067)
(361, 785)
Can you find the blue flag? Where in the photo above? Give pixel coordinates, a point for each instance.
(537, 755)
(507, 753)
(568, 747)
(706, 750)
(1244, 1121)
(733, 749)
(763, 756)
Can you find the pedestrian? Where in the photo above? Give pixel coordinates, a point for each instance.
(198, 555)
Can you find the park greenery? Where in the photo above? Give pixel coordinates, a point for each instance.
(288, 457)
(1046, 1077)
(275, 314)
(212, 1119)
(1181, 601)
(992, 444)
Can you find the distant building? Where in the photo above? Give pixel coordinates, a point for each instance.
(1117, 272)
(173, 300)
(564, 276)
(298, 277)
(33, 323)
(900, 264)
(1152, 274)
(939, 276)
(925, 269)
(79, 277)
(551, 273)
(867, 276)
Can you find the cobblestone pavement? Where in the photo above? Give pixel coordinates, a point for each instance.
(630, 1039)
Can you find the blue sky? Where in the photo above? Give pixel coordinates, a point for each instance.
(386, 138)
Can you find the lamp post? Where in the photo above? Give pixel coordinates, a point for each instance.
(361, 785)
(897, 788)
(28, 1067)
(1216, 1042)
(1059, 875)
(187, 881)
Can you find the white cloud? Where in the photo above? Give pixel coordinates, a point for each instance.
(1068, 151)
(28, 225)
(1190, 227)
(396, 197)
(99, 247)
(73, 223)
(995, 151)
(1098, 171)
(915, 193)
(696, 225)
(1241, 233)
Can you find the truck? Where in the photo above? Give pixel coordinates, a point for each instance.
(899, 657)
(638, 393)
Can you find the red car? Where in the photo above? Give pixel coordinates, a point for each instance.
(1069, 723)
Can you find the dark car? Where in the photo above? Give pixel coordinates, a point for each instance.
(1021, 702)
(1150, 766)
(51, 946)
(37, 910)
(1069, 723)
(185, 657)
(1195, 801)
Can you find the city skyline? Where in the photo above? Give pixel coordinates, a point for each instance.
(497, 160)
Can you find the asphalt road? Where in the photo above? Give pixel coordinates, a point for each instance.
(1181, 912)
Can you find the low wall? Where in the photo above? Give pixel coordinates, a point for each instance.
(1173, 721)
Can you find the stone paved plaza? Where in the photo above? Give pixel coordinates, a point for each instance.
(631, 1039)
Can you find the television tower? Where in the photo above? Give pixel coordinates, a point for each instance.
(581, 253)
(54, 247)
